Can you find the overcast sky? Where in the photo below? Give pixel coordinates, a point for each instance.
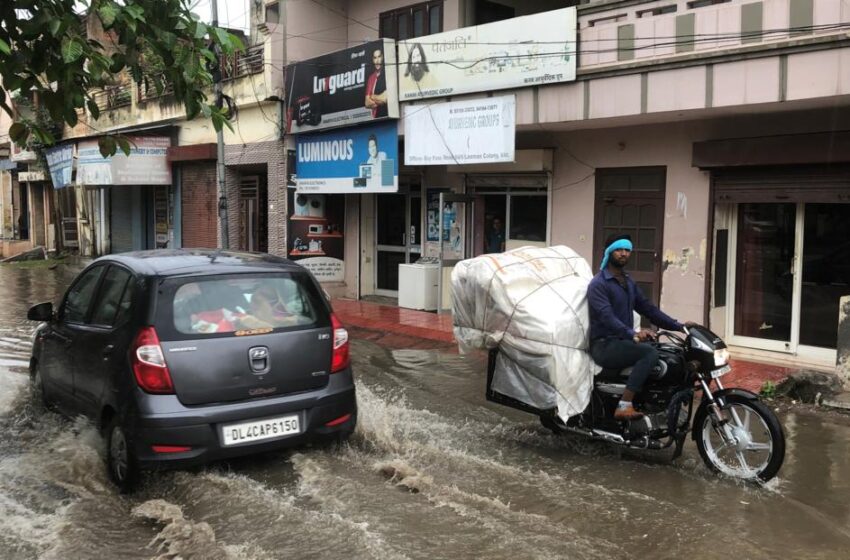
(231, 13)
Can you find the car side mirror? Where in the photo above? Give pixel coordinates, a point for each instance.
(41, 312)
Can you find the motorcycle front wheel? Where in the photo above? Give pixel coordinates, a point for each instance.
(749, 444)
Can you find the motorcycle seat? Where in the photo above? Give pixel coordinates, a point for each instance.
(609, 374)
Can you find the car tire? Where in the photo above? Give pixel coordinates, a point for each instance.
(37, 387)
(121, 463)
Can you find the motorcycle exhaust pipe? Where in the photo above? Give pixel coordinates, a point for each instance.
(608, 436)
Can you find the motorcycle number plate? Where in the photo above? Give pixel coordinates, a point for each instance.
(721, 371)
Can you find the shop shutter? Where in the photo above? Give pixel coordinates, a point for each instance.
(198, 205)
(121, 218)
(793, 184)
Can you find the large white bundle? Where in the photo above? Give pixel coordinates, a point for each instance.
(531, 303)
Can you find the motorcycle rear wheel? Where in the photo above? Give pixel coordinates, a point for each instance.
(754, 447)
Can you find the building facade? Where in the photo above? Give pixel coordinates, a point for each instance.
(715, 132)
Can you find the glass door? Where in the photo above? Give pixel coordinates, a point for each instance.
(825, 277)
(398, 235)
(788, 275)
(764, 275)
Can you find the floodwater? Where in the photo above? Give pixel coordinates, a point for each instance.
(433, 471)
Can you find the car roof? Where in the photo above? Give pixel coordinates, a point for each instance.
(199, 262)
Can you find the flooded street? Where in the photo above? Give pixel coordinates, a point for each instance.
(433, 471)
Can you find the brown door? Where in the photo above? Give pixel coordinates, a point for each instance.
(631, 200)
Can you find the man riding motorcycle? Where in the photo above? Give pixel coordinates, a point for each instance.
(613, 297)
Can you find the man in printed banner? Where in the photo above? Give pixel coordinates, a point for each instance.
(417, 66)
(372, 170)
(376, 86)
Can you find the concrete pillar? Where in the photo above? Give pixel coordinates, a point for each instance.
(842, 367)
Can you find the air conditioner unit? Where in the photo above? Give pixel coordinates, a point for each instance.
(310, 205)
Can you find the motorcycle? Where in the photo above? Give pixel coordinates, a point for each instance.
(735, 433)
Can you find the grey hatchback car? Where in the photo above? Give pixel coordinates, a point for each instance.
(184, 357)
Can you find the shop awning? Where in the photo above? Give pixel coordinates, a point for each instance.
(791, 149)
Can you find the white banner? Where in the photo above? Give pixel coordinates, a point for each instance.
(460, 132)
(514, 53)
(147, 163)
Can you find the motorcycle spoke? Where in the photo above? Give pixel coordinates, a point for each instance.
(743, 461)
(758, 447)
(747, 415)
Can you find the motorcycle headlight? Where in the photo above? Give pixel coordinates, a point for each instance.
(721, 357)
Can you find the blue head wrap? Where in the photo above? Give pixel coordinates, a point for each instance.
(619, 244)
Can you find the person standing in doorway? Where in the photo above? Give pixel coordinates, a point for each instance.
(496, 237)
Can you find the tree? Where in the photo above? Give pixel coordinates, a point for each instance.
(46, 48)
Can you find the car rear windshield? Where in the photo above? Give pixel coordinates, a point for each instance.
(243, 304)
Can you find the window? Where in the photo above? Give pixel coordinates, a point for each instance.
(656, 11)
(528, 218)
(113, 305)
(412, 21)
(510, 217)
(79, 297)
(227, 305)
(488, 12)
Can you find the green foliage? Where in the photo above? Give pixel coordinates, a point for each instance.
(768, 389)
(46, 47)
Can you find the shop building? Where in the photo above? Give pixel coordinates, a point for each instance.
(714, 132)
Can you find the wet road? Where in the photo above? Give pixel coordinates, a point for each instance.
(433, 472)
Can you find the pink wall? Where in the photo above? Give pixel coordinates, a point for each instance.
(313, 29)
(686, 214)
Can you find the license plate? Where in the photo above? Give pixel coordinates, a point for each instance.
(258, 430)
(722, 371)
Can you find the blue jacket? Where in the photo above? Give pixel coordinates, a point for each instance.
(611, 308)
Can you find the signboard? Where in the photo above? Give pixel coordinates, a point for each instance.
(461, 132)
(60, 161)
(352, 160)
(146, 164)
(346, 87)
(22, 155)
(30, 176)
(514, 53)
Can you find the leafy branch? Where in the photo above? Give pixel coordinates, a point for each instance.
(62, 58)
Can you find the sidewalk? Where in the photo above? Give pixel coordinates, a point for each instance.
(396, 327)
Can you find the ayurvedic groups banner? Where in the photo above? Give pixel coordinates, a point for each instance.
(514, 53)
(461, 132)
(350, 160)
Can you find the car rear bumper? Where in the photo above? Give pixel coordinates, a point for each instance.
(162, 423)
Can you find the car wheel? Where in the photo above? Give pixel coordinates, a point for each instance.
(37, 387)
(120, 459)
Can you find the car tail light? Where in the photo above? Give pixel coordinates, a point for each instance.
(341, 420)
(149, 363)
(341, 358)
(170, 448)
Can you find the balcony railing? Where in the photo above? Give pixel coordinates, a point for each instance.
(148, 89)
(243, 63)
(113, 97)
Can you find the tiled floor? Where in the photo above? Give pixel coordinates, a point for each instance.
(396, 327)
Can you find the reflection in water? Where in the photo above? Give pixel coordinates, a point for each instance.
(433, 471)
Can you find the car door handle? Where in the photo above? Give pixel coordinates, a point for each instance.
(107, 351)
(60, 337)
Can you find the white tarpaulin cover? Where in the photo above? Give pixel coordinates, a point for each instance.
(531, 303)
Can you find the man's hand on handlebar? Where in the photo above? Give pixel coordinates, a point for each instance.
(645, 335)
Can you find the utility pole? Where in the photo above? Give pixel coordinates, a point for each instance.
(219, 167)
